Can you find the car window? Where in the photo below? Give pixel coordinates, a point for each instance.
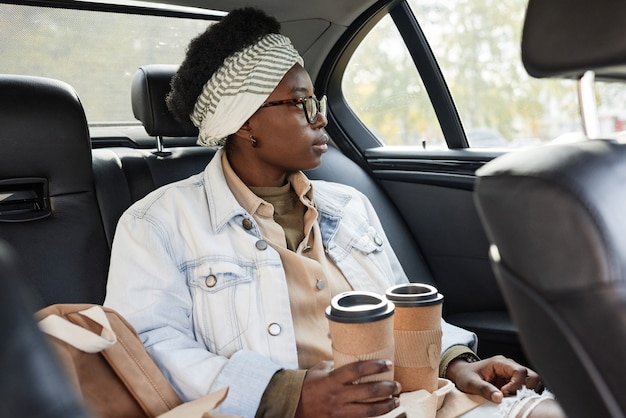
(95, 52)
(611, 103)
(477, 47)
(384, 89)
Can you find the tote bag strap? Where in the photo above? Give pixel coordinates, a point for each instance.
(137, 370)
(77, 336)
(119, 344)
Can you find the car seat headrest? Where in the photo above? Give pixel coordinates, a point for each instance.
(150, 86)
(42, 127)
(565, 38)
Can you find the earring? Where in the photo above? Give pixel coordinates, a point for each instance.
(252, 141)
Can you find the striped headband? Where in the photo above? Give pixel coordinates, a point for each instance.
(240, 86)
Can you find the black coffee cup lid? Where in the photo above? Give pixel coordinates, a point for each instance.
(359, 307)
(414, 294)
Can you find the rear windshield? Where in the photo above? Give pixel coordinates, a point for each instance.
(95, 52)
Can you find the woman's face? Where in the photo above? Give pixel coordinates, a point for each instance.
(286, 142)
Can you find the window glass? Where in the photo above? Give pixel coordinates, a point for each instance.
(477, 46)
(384, 89)
(97, 53)
(611, 103)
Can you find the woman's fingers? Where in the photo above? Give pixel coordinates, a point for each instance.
(327, 392)
(369, 409)
(354, 371)
(493, 378)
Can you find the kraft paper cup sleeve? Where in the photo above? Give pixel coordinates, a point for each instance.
(418, 348)
(361, 328)
(417, 335)
(340, 358)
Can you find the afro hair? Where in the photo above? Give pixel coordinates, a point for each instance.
(206, 53)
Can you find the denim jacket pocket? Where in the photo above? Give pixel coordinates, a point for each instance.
(215, 276)
(367, 241)
(367, 260)
(221, 292)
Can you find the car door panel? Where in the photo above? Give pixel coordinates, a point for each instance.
(434, 195)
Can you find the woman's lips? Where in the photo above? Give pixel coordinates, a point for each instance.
(321, 144)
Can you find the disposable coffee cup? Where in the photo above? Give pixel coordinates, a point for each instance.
(361, 328)
(417, 335)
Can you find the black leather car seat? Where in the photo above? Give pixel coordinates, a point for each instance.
(32, 383)
(48, 208)
(556, 218)
(150, 85)
(125, 175)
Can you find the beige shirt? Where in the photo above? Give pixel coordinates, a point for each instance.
(312, 278)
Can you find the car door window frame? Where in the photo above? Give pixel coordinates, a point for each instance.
(343, 120)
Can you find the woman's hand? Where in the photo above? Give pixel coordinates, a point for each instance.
(329, 392)
(492, 378)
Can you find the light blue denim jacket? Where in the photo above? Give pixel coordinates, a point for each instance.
(210, 301)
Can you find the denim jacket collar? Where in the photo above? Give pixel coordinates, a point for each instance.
(330, 208)
(223, 207)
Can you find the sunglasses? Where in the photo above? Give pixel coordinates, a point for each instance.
(311, 105)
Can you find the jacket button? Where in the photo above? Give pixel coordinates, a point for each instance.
(261, 245)
(247, 224)
(320, 285)
(274, 329)
(378, 240)
(210, 280)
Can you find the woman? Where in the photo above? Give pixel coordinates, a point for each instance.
(226, 275)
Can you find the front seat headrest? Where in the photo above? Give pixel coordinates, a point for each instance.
(565, 38)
